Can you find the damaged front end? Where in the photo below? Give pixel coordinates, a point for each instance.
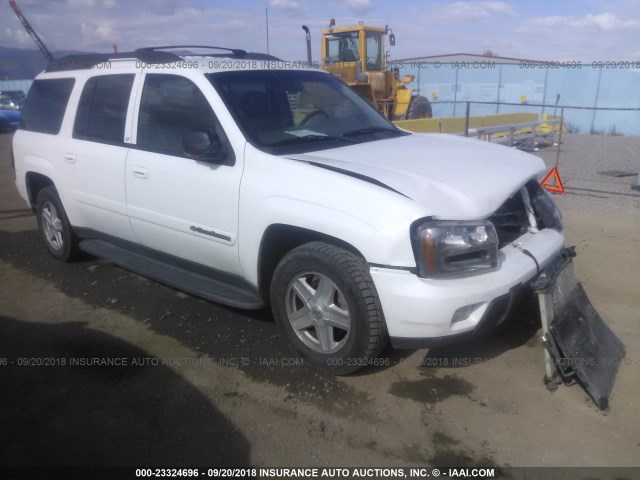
(530, 209)
(579, 346)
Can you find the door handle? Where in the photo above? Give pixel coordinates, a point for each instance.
(70, 158)
(140, 172)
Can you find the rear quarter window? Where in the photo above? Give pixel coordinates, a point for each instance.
(46, 103)
(102, 111)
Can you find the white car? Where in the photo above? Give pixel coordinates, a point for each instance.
(239, 179)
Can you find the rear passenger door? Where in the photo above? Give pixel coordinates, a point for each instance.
(177, 204)
(95, 159)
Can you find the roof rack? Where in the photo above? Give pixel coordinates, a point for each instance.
(236, 51)
(151, 55)
(90, 60)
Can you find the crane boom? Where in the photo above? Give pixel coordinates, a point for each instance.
(32, 33)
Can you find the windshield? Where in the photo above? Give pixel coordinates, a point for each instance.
(284, 111)
(342, 47)
(10, 104)
(13, 94)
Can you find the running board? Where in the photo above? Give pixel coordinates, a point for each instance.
(238, 294)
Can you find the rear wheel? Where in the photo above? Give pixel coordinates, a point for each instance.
(325, 302)
(4, 125)
(54, 226)
(419, 107)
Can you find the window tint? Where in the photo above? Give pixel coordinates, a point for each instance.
(45, 105)
(102, 111)
(170, 107)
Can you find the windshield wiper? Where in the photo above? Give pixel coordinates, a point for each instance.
(306, 138)
(368, 130)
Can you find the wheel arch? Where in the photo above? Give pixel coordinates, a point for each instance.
(279, 239)
(35, 182)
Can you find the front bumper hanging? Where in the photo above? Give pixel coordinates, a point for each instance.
(579, 345)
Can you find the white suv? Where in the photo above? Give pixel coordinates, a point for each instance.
(249, 181)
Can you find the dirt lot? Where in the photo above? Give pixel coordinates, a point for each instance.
(226, 390)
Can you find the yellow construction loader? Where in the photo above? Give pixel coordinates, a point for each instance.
(356, 55)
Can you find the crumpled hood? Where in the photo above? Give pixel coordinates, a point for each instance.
(450, 177)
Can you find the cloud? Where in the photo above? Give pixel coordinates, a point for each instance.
(81, 3)
(289, 6)
(18, 37)
(501, 8)
(98, 35)
(360, 7)
(470, 11)
(605, 22)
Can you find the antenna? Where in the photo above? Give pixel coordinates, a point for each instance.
(266, 12)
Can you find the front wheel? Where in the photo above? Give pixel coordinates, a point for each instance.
(325, 302)
(419, 107)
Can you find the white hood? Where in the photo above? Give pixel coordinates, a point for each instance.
(450, 177)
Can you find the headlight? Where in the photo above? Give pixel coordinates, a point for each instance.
(455, 249)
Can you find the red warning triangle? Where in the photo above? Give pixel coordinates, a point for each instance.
(553, 176)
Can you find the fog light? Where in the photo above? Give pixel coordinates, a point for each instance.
(463, 313)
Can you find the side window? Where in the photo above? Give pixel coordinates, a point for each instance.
(171, 106)
(45, 105)
(102, 111)
(374, 51)
(333, 49)
(263, 106)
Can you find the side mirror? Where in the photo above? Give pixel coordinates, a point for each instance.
(392, 39)
(203, 145)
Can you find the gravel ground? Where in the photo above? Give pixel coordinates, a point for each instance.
(583, 166)
(228, 392)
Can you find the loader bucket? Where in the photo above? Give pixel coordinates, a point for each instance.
(580, 345)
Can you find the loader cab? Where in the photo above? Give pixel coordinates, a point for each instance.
(350, 52)
(356, 55)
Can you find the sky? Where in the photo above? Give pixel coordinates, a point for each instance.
(540, 29)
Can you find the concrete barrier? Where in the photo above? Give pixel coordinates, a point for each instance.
(457, 124)
(424, 125)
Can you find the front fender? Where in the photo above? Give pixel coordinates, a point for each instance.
(372, 219)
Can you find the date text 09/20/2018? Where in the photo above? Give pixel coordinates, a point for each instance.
(305, 473)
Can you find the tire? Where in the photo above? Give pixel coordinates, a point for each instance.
(54, 226)
(419, 107)
(5, 127)
(324, 301)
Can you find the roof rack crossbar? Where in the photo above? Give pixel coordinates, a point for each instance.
(236, 51)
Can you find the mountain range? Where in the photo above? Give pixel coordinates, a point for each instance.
(24, 63)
